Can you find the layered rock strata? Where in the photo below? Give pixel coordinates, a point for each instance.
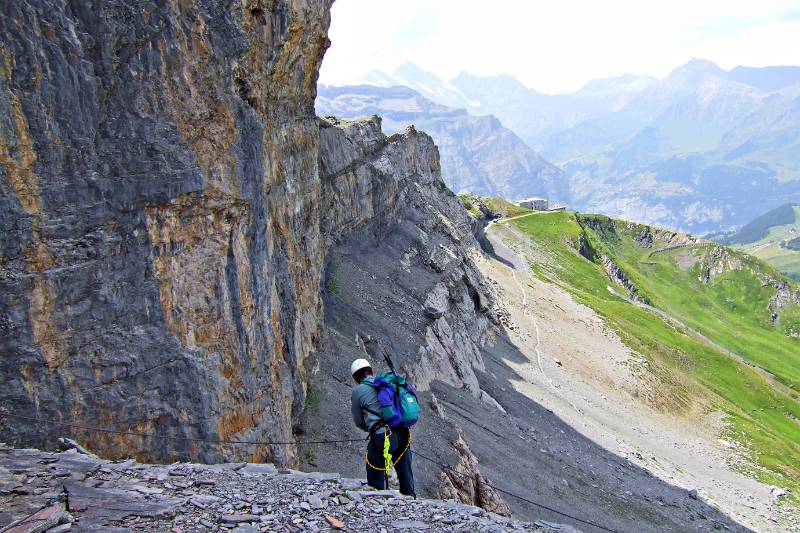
(406, 239)
(160, 236)
(170, 204)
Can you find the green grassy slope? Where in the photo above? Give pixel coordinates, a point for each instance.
(497, 207)
(471, 202)
(730, 309)
(505, 208)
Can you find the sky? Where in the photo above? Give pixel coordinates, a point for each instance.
(556, 46)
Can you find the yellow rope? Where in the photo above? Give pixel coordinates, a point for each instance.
(387, 454)
(391, 465)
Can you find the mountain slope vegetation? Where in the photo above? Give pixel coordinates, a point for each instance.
(719, 330)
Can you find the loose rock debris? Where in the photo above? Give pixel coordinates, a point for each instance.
(74, 491)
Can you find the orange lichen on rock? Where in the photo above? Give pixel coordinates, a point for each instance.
(190, 241)
(236, 420)
(39, 258)
(41, 318)
(41, 301)
(196, 242)
(28, 383)
(17, 155)
(200, 108)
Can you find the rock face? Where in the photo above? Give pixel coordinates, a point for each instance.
(160, 236)
(471, 486)
(438, 301)
(170, 203)
(400, 272)
(405, 240)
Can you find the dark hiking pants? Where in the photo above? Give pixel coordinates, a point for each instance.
(398, 440)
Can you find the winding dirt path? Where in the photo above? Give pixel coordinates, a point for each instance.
(527, 313)
(519, 264)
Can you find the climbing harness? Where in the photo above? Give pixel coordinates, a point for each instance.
(387, 456)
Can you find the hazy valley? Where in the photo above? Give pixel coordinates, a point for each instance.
(702, 150)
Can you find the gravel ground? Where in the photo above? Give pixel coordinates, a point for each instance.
(89, 494)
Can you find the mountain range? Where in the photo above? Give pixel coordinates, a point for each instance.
(703, 149)
(478, 154)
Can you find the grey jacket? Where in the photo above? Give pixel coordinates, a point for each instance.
(364, 405)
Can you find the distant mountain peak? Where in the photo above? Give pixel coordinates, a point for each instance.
(699, 67)
(411, 67)
(414, 75)
(379, 78)
(505, 79)
(766, 78)
(625, 83)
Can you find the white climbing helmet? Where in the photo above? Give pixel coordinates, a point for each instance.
(358, 364)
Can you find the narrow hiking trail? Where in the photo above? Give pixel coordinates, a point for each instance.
(504, 220)
(527, 313)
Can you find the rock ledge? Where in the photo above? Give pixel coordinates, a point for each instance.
(97, 495)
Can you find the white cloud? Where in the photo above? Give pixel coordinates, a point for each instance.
(557, 46)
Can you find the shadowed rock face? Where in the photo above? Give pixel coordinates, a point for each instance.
(160, 243)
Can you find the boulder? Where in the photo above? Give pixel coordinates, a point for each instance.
(438, 301)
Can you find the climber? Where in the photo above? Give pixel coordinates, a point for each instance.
(366, 409)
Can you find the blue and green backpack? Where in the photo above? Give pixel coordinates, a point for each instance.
(399, 405)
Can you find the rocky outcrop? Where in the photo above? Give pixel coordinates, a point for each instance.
(437, 302)
(645, 237)
(785, 294)
(616, 274)
(160, 234)
(465, 483)
(718, 261)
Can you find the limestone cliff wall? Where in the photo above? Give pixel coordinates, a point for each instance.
(400, 271)
(404, 241)
(160, 242)
(169, 203)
